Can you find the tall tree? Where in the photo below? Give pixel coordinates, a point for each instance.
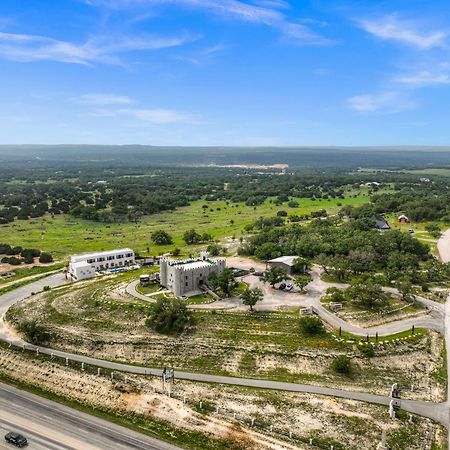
(251, 296)
(274, 275)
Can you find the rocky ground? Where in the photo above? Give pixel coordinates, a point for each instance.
(98, 319)
(343, 423)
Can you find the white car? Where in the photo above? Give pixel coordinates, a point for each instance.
(288, 287)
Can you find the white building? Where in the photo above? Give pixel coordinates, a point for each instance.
(85, 265)
(186, 277)
(286, 263)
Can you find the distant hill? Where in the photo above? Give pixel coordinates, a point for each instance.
(294, 157)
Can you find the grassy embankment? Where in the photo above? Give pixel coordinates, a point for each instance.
(263, 345)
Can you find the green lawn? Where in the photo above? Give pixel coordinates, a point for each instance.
(64, 235)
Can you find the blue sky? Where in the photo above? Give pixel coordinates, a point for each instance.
(225, 72)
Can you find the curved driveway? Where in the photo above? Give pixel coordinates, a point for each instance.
(436, 411)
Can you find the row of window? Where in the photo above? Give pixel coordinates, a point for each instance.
(109, 258)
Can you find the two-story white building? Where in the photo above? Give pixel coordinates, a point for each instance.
(86, 265)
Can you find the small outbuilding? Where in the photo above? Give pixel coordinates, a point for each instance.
(380, 223)
(287, 263)
(403, 219)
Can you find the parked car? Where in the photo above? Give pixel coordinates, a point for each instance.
(16, 439)
(257, 273)
(411, 231)
(282, 286)
(288, 287)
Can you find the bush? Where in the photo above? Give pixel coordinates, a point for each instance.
(161, 237)
(45, 258)
(34, 332)
(311, 325)
(342, 364)
(169, 316)
(14, 261)
(214, 249)
(367, 351)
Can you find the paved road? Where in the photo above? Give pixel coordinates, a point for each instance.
(443, 246)
(436, 411)
(47, 424)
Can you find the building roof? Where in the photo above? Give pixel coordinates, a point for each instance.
(80, 265)
(196, 263)
(402, 216)
(288, 260)
(82, 256)
(380, 222)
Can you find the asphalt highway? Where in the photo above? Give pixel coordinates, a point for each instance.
(49, 425)
(436, 411)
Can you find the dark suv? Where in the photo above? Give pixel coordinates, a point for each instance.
(16, 439)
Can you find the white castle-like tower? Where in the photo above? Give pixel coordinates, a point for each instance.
(187, 276)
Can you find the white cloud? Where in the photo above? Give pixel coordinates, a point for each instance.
(154, 116)
(28, 48)
(263, 12)
(403, 31)
(159, 116)
(102, 99)
(389, 102)
(423, 78)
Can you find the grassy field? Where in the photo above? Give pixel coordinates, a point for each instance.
(64, 235)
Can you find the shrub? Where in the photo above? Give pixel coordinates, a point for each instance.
(342, 364)
(45, 258)
(34, 332)
(169, 316)
(311, 325)
(367, 351)
(161, 237)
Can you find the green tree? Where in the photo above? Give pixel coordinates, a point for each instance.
(274, 275)
(223, 281)
(192, 237)
(302, 281)
(161, 237)
(45, 258)
(311, 325)
(169, 316)
(214, 249)
(251, 296)
(342, 364)
(404, 286)
(300, 265)
(434, 230)
(366, 294)
(335, 295)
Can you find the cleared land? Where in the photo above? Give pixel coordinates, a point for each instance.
(64, 235)
(344, 424)
(99, 319)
